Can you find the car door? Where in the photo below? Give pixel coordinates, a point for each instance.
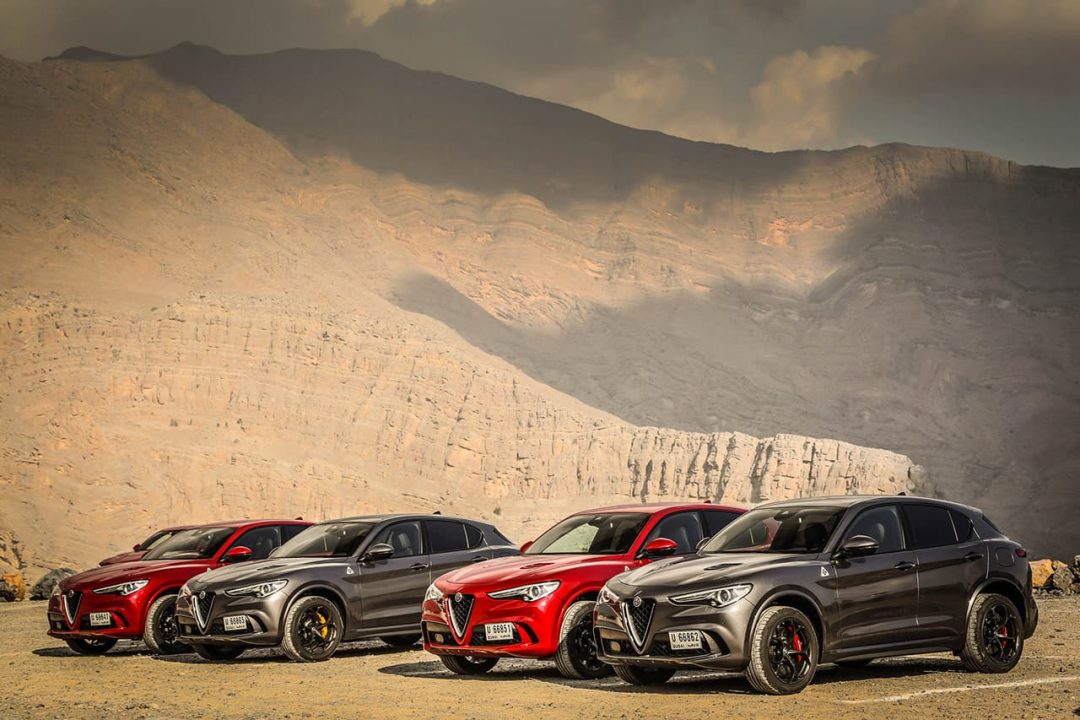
(876, 594)
(951, 565)
(392, 590)
(450, 547)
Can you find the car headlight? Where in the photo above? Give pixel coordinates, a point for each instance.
(433, 593)
(259, 590)
(528, 593)
(606, 596)
(124, 588)
(719, 597)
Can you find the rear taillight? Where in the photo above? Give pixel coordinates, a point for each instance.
(1021, 553)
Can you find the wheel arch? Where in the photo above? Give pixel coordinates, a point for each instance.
(324, 591)
(1002, 585)
(801, 601)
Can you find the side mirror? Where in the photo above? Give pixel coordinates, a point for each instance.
(237, 554)
(526, 545)
(659, 548)
(136, 547)
(857, 546)
(378, 551)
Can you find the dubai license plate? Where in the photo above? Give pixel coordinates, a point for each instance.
(499, 631)
(97, 619)
(235, 622)
(685, 640)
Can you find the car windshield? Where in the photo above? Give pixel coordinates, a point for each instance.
(777, 530)
(601, 534)
(156, 539)
(191, 544)
(334, 539)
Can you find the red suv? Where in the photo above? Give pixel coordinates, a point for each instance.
(540, 604)
(137, 552)
(137, 600)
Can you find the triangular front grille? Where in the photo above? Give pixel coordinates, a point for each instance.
(201, 603)
(637, 614)
(70, 601)
(460, 609)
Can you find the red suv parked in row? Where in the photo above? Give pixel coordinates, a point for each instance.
(540, 604)
(137, 552)
(137, 600)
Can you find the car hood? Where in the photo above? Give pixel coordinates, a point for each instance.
(695, 571)
(256, 571)
(122, 572)
(524, 569)
(125, 557)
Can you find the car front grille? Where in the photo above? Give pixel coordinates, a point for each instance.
(71, 600)
(662, 648)
(638, 615)
(460, 610)
(201, 603)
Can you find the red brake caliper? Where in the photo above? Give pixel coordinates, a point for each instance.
(796, 642)
(1004, 634)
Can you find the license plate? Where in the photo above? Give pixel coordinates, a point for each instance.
(235, 622)
(685, 640)
(499, 631)
(100, 618)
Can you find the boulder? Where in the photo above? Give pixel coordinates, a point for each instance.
(1063, 579)
(12, 587)
(43, 588)
(1041, 572)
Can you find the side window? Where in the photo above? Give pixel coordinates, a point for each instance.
(262, 541)
(446, 536)
(965, 530)
(717, 520)
(288, 532)
(930, 525)
(474, 536)
(882, 524)
(404, 537)
(684, 528)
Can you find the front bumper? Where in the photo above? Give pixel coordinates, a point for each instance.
(723, 631)
(126, 615)
(535, 627)
(263, 619)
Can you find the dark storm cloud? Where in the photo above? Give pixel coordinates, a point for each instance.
(772, 74)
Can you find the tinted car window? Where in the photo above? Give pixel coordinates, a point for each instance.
(602, 534)
(684, 528)
(260, 541)
(404, 537)
(446, 536)
(474, 536)
(883, 525)
(288, 532)
(717, 520)
(333, 539)
(963, 526)
(931, 526)
(193, 544)
(156, 539)
(778, 530)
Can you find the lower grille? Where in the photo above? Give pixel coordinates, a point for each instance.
(479, 637)
(662, 648)
(460, 610)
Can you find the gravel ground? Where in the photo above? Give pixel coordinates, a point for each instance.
(41, 678)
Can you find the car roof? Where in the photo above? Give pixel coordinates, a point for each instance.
(239, 523)
(657, 507)
(846, 501)
(381, 517)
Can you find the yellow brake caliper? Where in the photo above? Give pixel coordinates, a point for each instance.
(324, 626)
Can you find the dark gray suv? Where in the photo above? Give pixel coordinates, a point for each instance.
(336, 581)
(843, 579)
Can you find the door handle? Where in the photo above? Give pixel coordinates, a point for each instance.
(418, 567)
(904, 566)
(479, 558)
(973, 556)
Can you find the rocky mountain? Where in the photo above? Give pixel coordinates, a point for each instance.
(320, 283)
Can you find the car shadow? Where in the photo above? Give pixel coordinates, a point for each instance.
(65, 652)
(686, 682)
(256, 656)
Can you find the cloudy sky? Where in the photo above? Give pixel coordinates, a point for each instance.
(1001, 76)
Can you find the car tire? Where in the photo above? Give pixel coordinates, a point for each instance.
(462, 665)
(312, 629)
(217, 653)
(400, 641)
(783, 651)
(576, 657)
(161, 632)
(994, 637)
(90, 646)
(637, 675)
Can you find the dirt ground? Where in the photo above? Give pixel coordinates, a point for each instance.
(41, 678)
